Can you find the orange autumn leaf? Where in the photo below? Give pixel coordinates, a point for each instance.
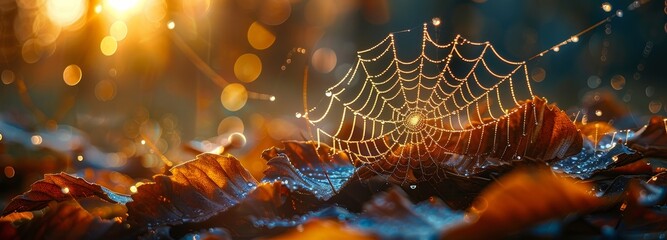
(194, 191)
(59, 187)
(324, 229)
(522, 199)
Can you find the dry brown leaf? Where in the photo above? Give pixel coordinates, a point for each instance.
(68, 220)
(59, 187)
(195, 191)
(651, 140)
(522, 199)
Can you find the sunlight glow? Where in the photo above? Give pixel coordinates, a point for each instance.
(65, 13)
(122, 8)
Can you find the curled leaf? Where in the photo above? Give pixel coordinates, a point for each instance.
(68, 220)
(522, 199)
(59, 187)
(195, 191)
(309, 167)
(651, 140)
(266, 210)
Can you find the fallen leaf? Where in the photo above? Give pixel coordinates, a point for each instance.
(195, 191)
(307, 166)
(592, 160)
(608, 152)
(269, 209)
(59, 187)
(391, 215)
(522, 199)
(651, 140)
(67, 220)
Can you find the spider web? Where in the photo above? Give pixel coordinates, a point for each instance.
(385, 103)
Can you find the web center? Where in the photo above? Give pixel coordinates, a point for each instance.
(414, 121)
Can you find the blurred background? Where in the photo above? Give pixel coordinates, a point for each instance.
(116, 90)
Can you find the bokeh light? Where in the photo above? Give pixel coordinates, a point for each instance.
(324, 60)
(234, 97)
(236, 140)
(259, 37)
(230, 124)
(108, 45)
(7, 76)
(36, 139)
(72, 74)
(118, 30)
(171, 24)
(29, 51)
(655, 106)
(248, 67)
(105, 90)
(65, 12)
(594, 81)
(436, 21)
(538, 74)
(9, 171)
(617, 82)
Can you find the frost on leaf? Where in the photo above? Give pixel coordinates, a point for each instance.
(195, 191)
(268, 209)
(304, 166)
(299, 180)
(216, 191)
(391, 215)
(605, 148)
(59, 187)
